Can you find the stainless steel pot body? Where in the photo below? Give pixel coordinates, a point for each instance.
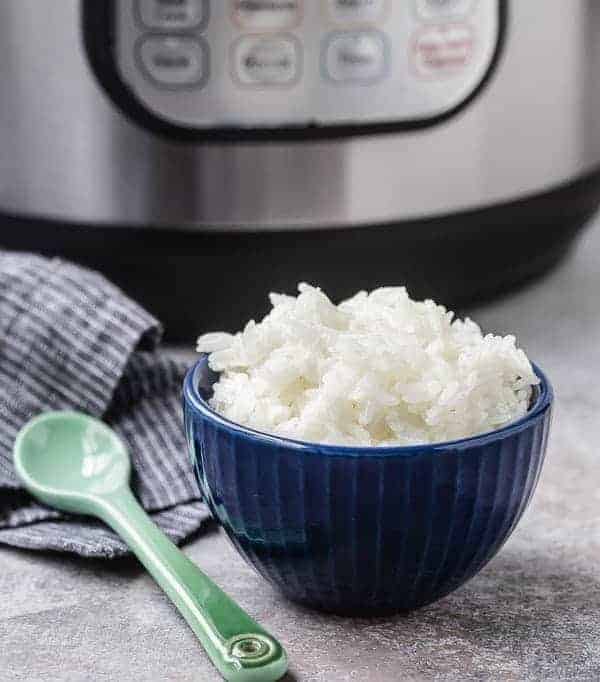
(69, 152)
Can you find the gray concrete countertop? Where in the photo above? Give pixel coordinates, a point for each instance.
(532, 614)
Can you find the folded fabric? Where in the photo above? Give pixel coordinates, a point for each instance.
(71, 340)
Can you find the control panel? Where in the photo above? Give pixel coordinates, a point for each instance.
(206, 64)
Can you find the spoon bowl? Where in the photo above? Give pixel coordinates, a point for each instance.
(67, 459)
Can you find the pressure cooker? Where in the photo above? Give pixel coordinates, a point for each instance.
(204, 152)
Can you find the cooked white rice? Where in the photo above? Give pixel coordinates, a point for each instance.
(378, 369)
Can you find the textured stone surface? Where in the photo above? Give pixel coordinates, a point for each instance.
(532, 614)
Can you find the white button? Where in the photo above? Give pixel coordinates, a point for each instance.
(174, 61)
(445, 49)
(356, 56)
(172, 14)
(356, 11)
(267, 15)
(264, 61)
(436, 9)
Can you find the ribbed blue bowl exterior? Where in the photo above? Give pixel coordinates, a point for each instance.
(363, 532)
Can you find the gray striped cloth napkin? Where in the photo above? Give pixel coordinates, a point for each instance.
(71, 340)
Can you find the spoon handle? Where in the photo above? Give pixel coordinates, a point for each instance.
(239, 648)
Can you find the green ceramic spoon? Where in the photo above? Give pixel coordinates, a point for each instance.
(78, 464)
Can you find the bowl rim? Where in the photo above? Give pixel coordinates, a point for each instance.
(195, 401)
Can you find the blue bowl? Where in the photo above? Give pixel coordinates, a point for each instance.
(364, 530)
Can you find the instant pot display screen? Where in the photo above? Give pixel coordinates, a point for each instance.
(253, 64)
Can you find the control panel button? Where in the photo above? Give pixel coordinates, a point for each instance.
(266, 60)
(356, 11)
(267, 15)
(436, 9)
(172, 14)
(443, 50)
(356, 56)
(174, 62)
